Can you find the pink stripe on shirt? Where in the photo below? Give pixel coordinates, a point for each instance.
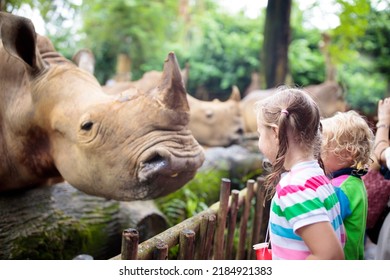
(313, 183)
(288, 254)
(337, 181)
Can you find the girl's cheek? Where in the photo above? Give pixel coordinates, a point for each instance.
(260, 144)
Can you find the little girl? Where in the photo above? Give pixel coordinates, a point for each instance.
(305, 220)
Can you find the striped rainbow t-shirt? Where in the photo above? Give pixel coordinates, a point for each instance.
(303, 196)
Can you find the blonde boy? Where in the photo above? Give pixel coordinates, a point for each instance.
(346, 148)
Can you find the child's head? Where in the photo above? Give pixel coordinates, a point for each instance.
(288, 117)
(346, 141)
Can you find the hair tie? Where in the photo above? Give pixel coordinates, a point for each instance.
(284, 111)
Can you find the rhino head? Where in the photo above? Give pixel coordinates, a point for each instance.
(59, 122)
(217, 123)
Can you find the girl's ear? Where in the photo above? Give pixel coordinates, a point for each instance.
(275, 131)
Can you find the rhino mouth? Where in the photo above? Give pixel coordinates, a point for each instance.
(162, 171)
(157, 163)
(151, 166)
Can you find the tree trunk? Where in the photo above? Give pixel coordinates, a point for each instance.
(331, 70)
(276, 41)
(123, 68)
(60, 222)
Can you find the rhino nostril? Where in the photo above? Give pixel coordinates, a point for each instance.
(156, 159)
(240, 131)
(156, 164)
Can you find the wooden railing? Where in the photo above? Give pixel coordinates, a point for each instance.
(209, 234)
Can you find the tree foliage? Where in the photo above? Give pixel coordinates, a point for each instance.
(222, 49)
(306, 62)
(367, 78)
(141, 29)
(353, 24)
(376, 41)
(11, 6)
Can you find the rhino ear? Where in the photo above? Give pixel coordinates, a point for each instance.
(85, 60)
(172, 91)
(19, 40)
(235, 95)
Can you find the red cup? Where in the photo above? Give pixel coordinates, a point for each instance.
(262, 251)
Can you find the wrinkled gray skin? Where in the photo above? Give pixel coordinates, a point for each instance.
(56, 122)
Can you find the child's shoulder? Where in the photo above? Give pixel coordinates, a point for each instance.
(302, 173)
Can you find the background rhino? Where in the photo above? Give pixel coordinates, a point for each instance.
(55, 121)
(217, 123)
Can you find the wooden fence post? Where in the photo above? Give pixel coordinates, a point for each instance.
(211, 243)
(244, 221)
(130, 239)
(161, 251)
(232, 223)
(258, 217)
(206, 234)
(186, 244)
(221, 219)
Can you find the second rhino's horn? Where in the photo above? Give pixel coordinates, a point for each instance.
(172, 91)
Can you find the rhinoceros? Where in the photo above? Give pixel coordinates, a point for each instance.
(217, 123)
(56, 121)
(328, 95)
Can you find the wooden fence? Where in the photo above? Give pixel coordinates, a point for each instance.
(211, 233)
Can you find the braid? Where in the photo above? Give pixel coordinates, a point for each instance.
(278, 167)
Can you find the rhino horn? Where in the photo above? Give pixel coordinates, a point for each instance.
(20, 40)
(235, 95)
(172, 91)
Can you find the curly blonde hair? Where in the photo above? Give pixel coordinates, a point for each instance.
(348, 132)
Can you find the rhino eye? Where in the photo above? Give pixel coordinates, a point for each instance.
(87, 125)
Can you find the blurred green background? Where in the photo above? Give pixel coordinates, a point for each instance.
(223, 43)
